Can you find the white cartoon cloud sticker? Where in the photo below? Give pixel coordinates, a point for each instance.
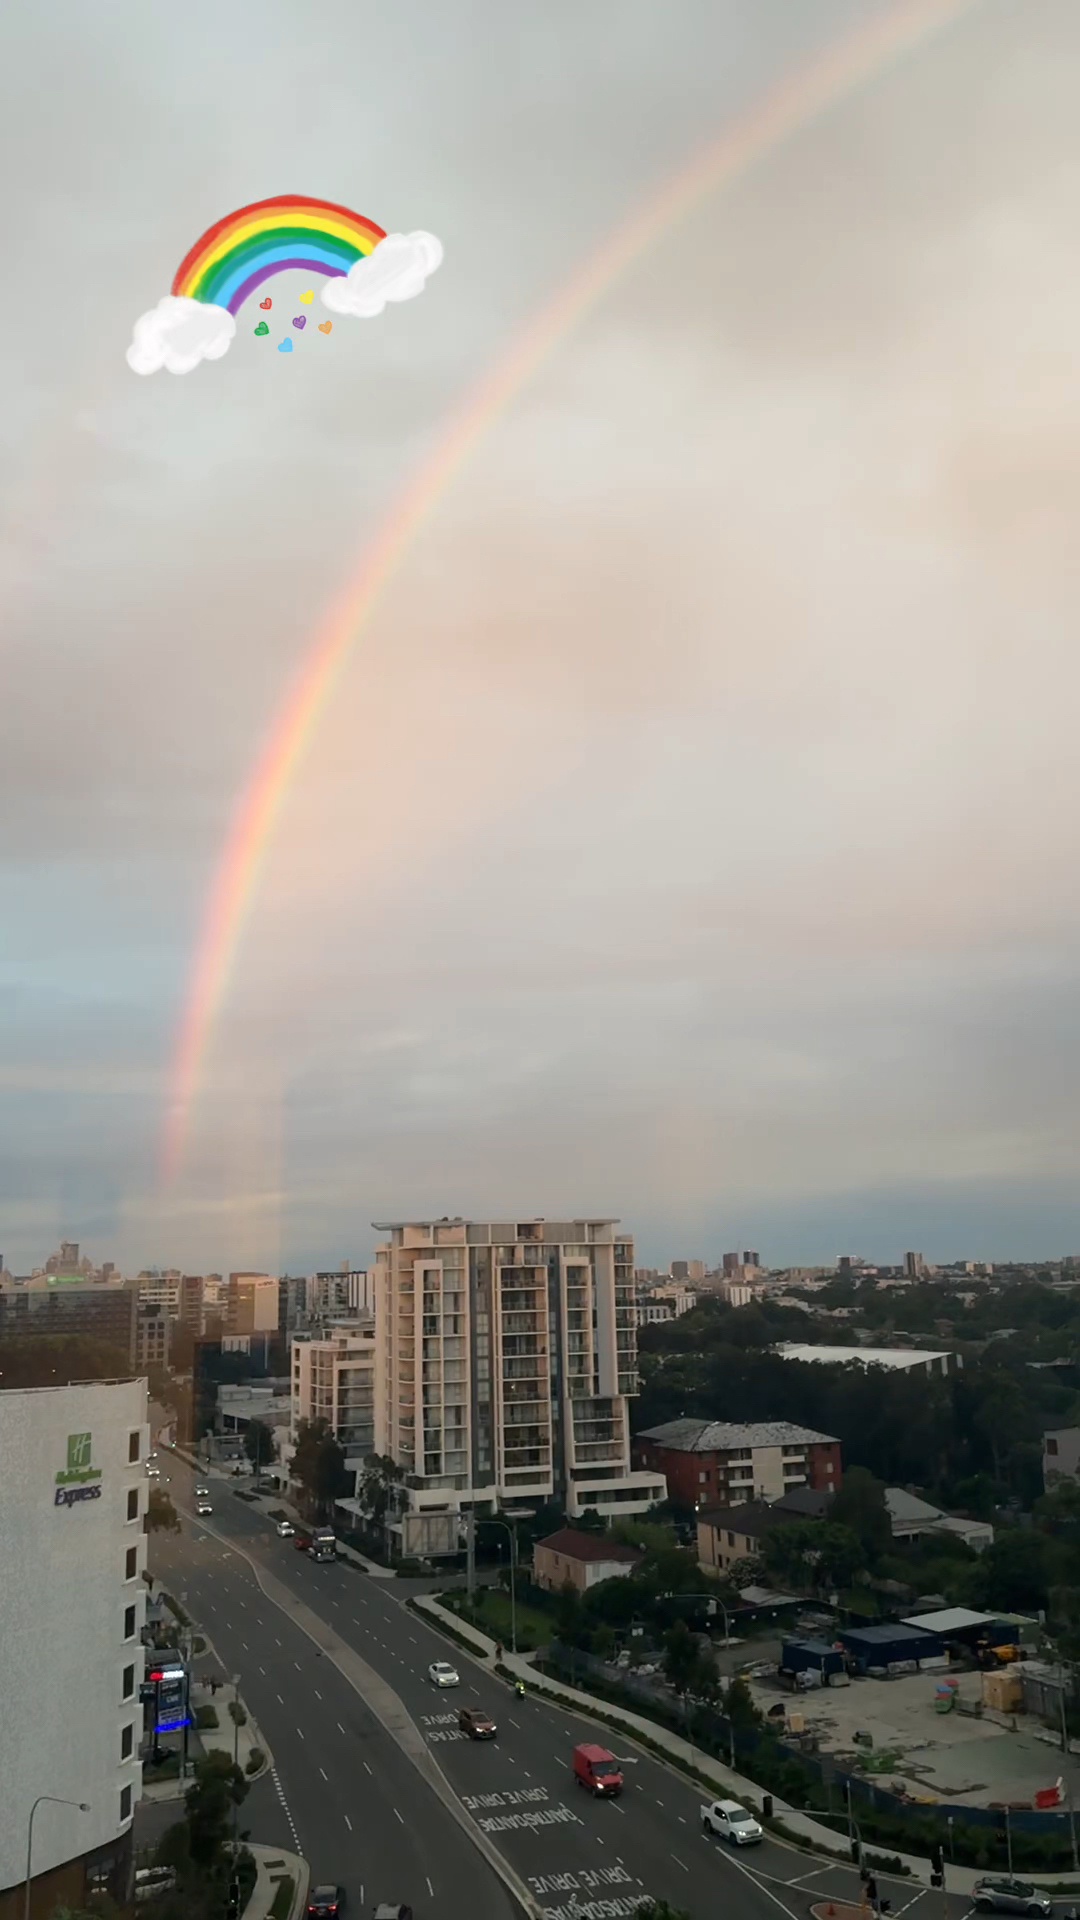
(397, 269)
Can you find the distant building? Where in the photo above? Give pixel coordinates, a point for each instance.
(1061, 1457)
(190, 1303)
(750, 1260)
(729, 1262)
(729, 1534)
(906, 1359)
(661, 1304)
(583, 1559)
(251, 1303)
(912, 1518)
(914, 1266)
(151, 1338)
(716, 1462)
(60, 1306)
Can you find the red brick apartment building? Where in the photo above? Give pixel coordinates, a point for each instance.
(717, 1463)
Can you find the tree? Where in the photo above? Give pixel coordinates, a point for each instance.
(161, 1515)
(260, 1444)
(318, 1464)
(569, 1615)
(1014, 1572)
(680, 1657)
(219, 1787)
(590, 1522)
(859, 1504)
(379, 1486)
(739, 1703)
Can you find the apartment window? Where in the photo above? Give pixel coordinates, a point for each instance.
(125, 1803)
(1051, 1444)
(134, 1445)
(129, 1623)
(731, 1539)
(127, 1741)
(127, 1685)
(131, 1563)
(133, 1503)
(702, 1478)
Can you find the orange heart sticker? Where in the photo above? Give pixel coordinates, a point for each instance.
(325, 326)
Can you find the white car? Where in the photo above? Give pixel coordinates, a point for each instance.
(731, 1822)
(153, 1473)
(442, 1674)
(285, 1530)
(202, 1493)
(204, 1506)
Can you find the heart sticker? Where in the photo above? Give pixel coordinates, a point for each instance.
(307, 298)
(262, 327)
(266, 304)
(284, 346)
(300, 320)
(325, 326)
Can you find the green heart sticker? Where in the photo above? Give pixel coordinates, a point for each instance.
(262, 327)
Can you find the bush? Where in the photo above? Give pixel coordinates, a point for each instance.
(256, 1759)
(238, 1713)
(206, 1718)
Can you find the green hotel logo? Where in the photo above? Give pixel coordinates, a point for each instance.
(79, 1469)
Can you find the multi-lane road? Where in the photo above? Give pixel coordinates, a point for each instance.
(354, 1804)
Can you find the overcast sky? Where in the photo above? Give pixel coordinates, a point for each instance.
(693, 835)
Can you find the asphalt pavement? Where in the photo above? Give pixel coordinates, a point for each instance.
(359, 1811)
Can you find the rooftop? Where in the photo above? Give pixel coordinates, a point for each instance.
(722, 1436)
(587, 1546)
(863, 1356)
(752, 1519)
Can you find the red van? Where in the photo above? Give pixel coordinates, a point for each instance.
(597, 1769)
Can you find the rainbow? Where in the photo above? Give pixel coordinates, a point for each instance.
(238, 253)
(784, 112)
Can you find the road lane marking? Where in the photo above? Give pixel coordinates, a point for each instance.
(367, 1769)
(414, 1639)
(281, 1702)
(682, 1819)
(325, 1776)
(430, 1888)
(300, 1731)
(752, 1877)
(619, 1809)
(348, 1823)
(340, 1728)
(514, 1723)
(296, 1664)
(262, 1670)
(316, 1692)
(680, 1863)
(400, 1816)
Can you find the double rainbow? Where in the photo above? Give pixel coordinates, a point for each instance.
(238, 253)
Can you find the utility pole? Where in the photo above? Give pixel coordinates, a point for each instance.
(470, 1552)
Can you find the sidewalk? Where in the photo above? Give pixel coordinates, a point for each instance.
(275, 1866)
(238, 1742)
(794, 1824)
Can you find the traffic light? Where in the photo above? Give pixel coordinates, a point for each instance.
(855, 1850)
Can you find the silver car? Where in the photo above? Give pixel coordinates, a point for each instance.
(1006, 1895)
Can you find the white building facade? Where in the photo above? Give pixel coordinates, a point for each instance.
(507, 1358)
(333, 1379)
(72, 1605)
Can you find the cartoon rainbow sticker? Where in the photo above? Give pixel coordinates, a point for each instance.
(238, 253)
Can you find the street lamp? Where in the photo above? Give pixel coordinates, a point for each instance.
(83, 1806)
(507, 1528)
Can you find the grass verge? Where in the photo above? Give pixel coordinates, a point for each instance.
(281, 1904)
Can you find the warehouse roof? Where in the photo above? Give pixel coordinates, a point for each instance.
(949, 1620)
(725, 1436)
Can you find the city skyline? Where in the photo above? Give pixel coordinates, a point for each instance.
(691, 827)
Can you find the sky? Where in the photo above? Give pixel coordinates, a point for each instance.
(692, 835)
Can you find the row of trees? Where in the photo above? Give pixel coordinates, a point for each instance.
(973, 1436)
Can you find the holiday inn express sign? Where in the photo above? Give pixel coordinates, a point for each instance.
(79, 1479)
